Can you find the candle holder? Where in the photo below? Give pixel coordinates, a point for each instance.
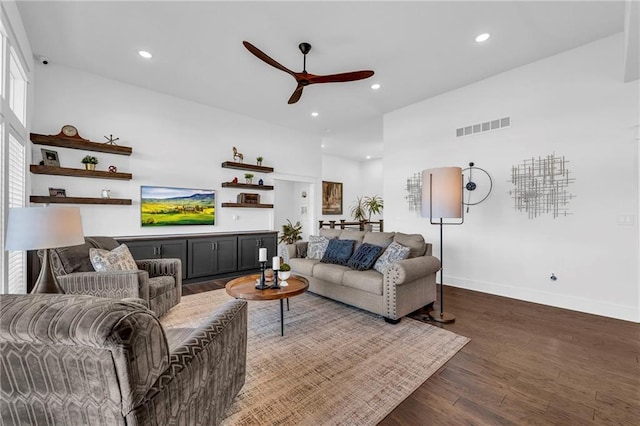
(261, 285)
(275, 279)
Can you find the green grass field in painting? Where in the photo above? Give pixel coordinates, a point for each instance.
(163, 213)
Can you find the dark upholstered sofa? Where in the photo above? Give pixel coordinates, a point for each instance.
(158, 281)
(85, 360)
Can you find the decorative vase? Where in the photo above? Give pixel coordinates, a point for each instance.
(284, 275)
(248, 180)
(90, 166)
(259, 163)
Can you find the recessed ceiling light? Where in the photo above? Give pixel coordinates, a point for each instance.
(314, 114)
(483, 37)
(145, 54)
(375, 86)
(322, 146)
(368, 157)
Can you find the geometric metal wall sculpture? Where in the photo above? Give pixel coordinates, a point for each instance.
(541, 186)
(414, 189)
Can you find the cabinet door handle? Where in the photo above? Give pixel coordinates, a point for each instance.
(155, 250)
(257, 242)
(160, 250)
(213, 246)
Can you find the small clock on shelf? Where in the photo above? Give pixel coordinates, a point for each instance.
(69, 131)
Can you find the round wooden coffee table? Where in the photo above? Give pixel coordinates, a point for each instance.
(245, 288)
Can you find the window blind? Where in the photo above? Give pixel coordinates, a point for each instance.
(16, 198)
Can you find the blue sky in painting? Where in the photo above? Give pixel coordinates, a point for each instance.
(161, 192)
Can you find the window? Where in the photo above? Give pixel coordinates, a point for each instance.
(17, 88)
(16, 272)
(14, 152)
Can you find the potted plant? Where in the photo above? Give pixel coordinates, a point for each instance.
(259, 161)
(291, 233)
(248, 177)
(285, 271)
(359, 210)
(89, 162)
(373, 205)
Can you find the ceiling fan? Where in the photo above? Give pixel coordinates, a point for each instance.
(304, 78)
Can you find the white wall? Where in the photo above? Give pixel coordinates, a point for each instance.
(573, 104)
(175, 143)
(358, 178)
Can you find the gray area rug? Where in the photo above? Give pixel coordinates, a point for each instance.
(335, 365)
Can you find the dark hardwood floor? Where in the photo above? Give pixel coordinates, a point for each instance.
(525, 364)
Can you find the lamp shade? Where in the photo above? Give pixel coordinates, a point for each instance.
(31, 228)
(442, 192)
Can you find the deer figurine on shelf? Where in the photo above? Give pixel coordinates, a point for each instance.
(237, 156)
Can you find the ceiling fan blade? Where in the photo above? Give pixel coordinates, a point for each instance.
(295, 97)
(266, 58)
(340, 78)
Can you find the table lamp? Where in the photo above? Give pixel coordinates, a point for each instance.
(442, 198)
(32, 228)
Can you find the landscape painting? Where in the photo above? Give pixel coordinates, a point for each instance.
(162, 206)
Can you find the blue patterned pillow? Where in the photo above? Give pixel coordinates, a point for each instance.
(392, 254)
(317, 246)
(338, 252)
(364, 257)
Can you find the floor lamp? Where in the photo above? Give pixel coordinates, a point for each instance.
(31, 228)
(442, 198)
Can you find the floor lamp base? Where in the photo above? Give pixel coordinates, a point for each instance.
(442, 317)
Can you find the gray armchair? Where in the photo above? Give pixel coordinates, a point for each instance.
(85, 360)
(158, 281)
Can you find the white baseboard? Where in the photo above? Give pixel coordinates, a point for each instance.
(590, 306)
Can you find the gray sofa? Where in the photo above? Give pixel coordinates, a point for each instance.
(86, 360)
(406, 285)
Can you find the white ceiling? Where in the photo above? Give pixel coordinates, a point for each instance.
(417, 49)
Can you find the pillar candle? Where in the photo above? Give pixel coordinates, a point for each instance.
(262, 254)
(276, 263)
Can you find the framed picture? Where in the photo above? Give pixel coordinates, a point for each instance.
(331, 197)
(165, 206)
(57, 192)
(50, 158)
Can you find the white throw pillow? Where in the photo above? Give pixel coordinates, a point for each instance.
(317, 246)
(118, 259)
(391, 255)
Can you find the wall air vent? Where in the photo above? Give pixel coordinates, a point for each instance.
(487, 126)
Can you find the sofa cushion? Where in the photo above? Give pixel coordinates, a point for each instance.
(329, 272)
(392, 254)
(382, 239)
(338, 252)
(330, 233)
(301, 249)
(303, 266)
(364, 257)
(118, 259)
(369, 281)
(357, 236)
(414, 241)
(75, 258)
(317, 246)
(160, 285)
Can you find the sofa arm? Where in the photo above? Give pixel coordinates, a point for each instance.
(211, 361)
(116, 284)
(408, 270)
(162, 267)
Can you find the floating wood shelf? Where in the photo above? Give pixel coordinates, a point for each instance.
(65, 171)
(78, 200)
(75, 143)
(248, 205)
(244, 166)
(247, 185)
